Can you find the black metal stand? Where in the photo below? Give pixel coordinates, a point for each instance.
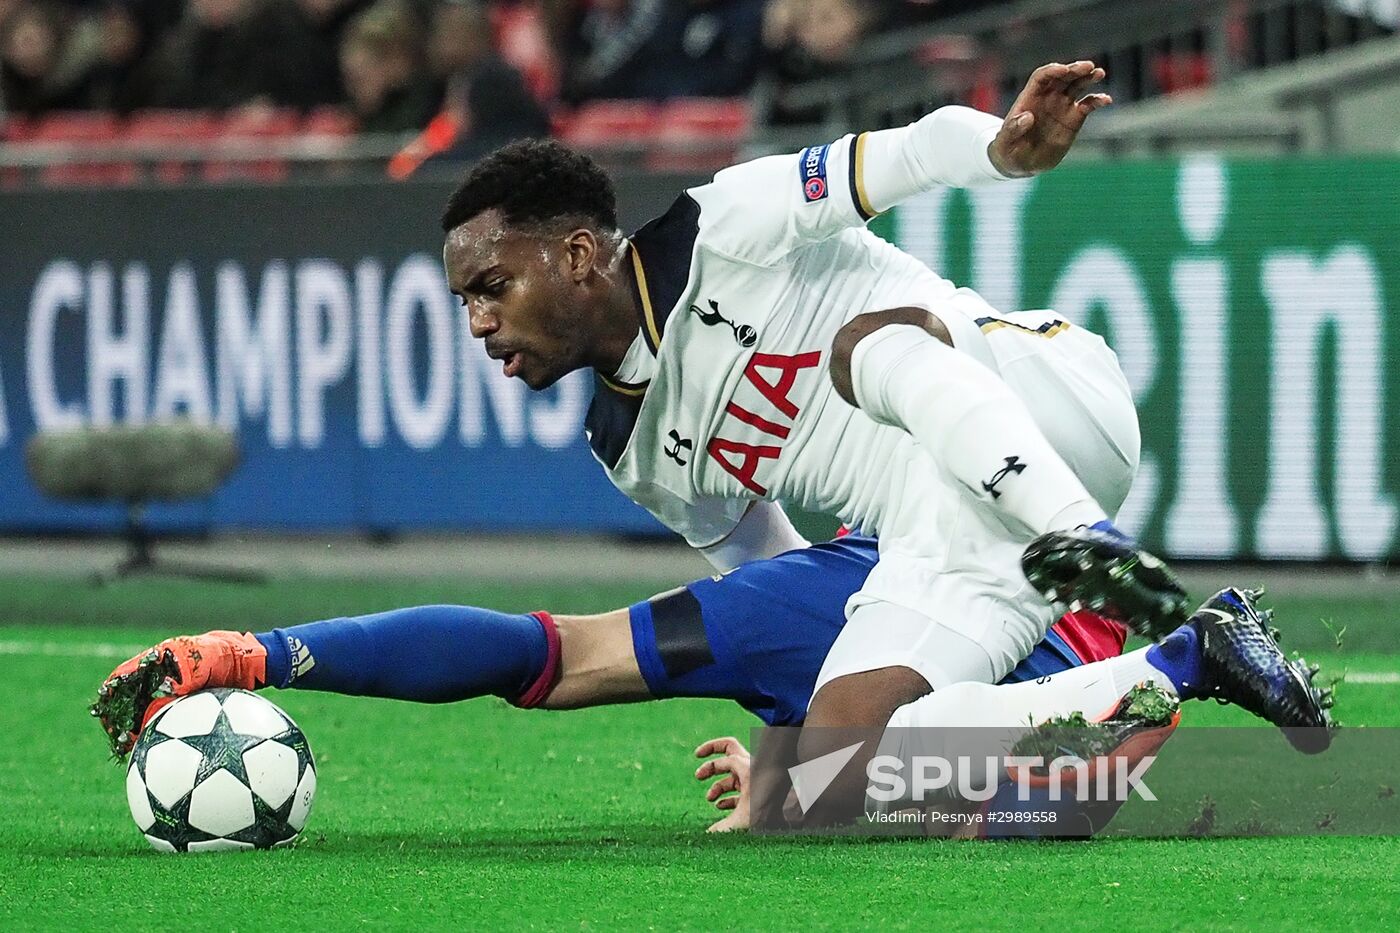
(141, 560)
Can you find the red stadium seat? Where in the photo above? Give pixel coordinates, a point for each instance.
(699, 133)
(82, 128)
(701, 117)
(1184, 71)
(79, 126)
(328, 121)
(13, 130)
(177, 126)
(612, 124)
(160, 125)
(251, 125)
(16, 129)
(261, 124)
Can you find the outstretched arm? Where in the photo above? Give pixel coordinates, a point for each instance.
(961, 147)
(1046, 118)
(761, 209)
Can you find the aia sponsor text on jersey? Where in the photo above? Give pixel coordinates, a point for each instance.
(762, 413)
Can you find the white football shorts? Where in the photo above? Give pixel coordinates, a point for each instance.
(948, 598)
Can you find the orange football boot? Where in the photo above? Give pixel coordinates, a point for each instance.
(140, 687)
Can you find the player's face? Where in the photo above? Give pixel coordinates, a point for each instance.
(522, 296)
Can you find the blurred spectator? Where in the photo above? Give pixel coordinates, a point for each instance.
(316, 29)
(659, 49)
(486, 98)
(809, 39)
(522, 30)
(224, 54)
(379, 62)
(33, 79)
(111, 44)
(924, 11)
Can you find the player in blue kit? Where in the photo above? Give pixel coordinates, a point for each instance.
(757, 635)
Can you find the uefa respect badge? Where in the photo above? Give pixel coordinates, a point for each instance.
(811, 171)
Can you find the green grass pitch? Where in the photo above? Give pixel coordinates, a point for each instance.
(479, 816)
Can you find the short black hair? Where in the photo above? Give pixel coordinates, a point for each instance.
(532, 182)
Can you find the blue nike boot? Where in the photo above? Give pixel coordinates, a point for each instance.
(1244, 665)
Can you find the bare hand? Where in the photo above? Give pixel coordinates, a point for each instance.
(730, 792)
(1046, 118)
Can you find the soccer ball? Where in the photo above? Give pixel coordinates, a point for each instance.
(219, 770)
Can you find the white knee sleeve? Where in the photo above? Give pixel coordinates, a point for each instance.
(971, 422)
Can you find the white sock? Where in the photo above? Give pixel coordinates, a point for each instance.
(968, 418)
(973, 721)
(1091, 689)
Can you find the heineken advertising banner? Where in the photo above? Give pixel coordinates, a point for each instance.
(1252, 305)
(1247, 301)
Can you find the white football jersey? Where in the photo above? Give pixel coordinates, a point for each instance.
(743, 285)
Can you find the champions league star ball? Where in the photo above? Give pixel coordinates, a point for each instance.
(220, 770)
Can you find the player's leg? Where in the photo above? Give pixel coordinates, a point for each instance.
(1131, 703)
(778, 619)
(1079, 797)
(431, 654)
(863, 698)
(944, 604)
(1095, 712)
(1227, 652)
(886, 658)
(597, 663)
(963, 414)
(1029, 445)
(756, 636)
(1073, 387)
(427, 654)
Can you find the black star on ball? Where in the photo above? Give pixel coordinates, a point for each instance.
(222, 747)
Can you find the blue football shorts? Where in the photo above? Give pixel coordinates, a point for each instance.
(758, 634)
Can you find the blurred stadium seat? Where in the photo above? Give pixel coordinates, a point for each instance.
(1182, 71)
(78, 129)
(253, 125)
(328, 121)
(15, 129)
(698, 133)
(172, 126)
(163, 125)
(610, 124)
(975, 53)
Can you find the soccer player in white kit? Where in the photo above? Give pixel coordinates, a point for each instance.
(756, 343)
